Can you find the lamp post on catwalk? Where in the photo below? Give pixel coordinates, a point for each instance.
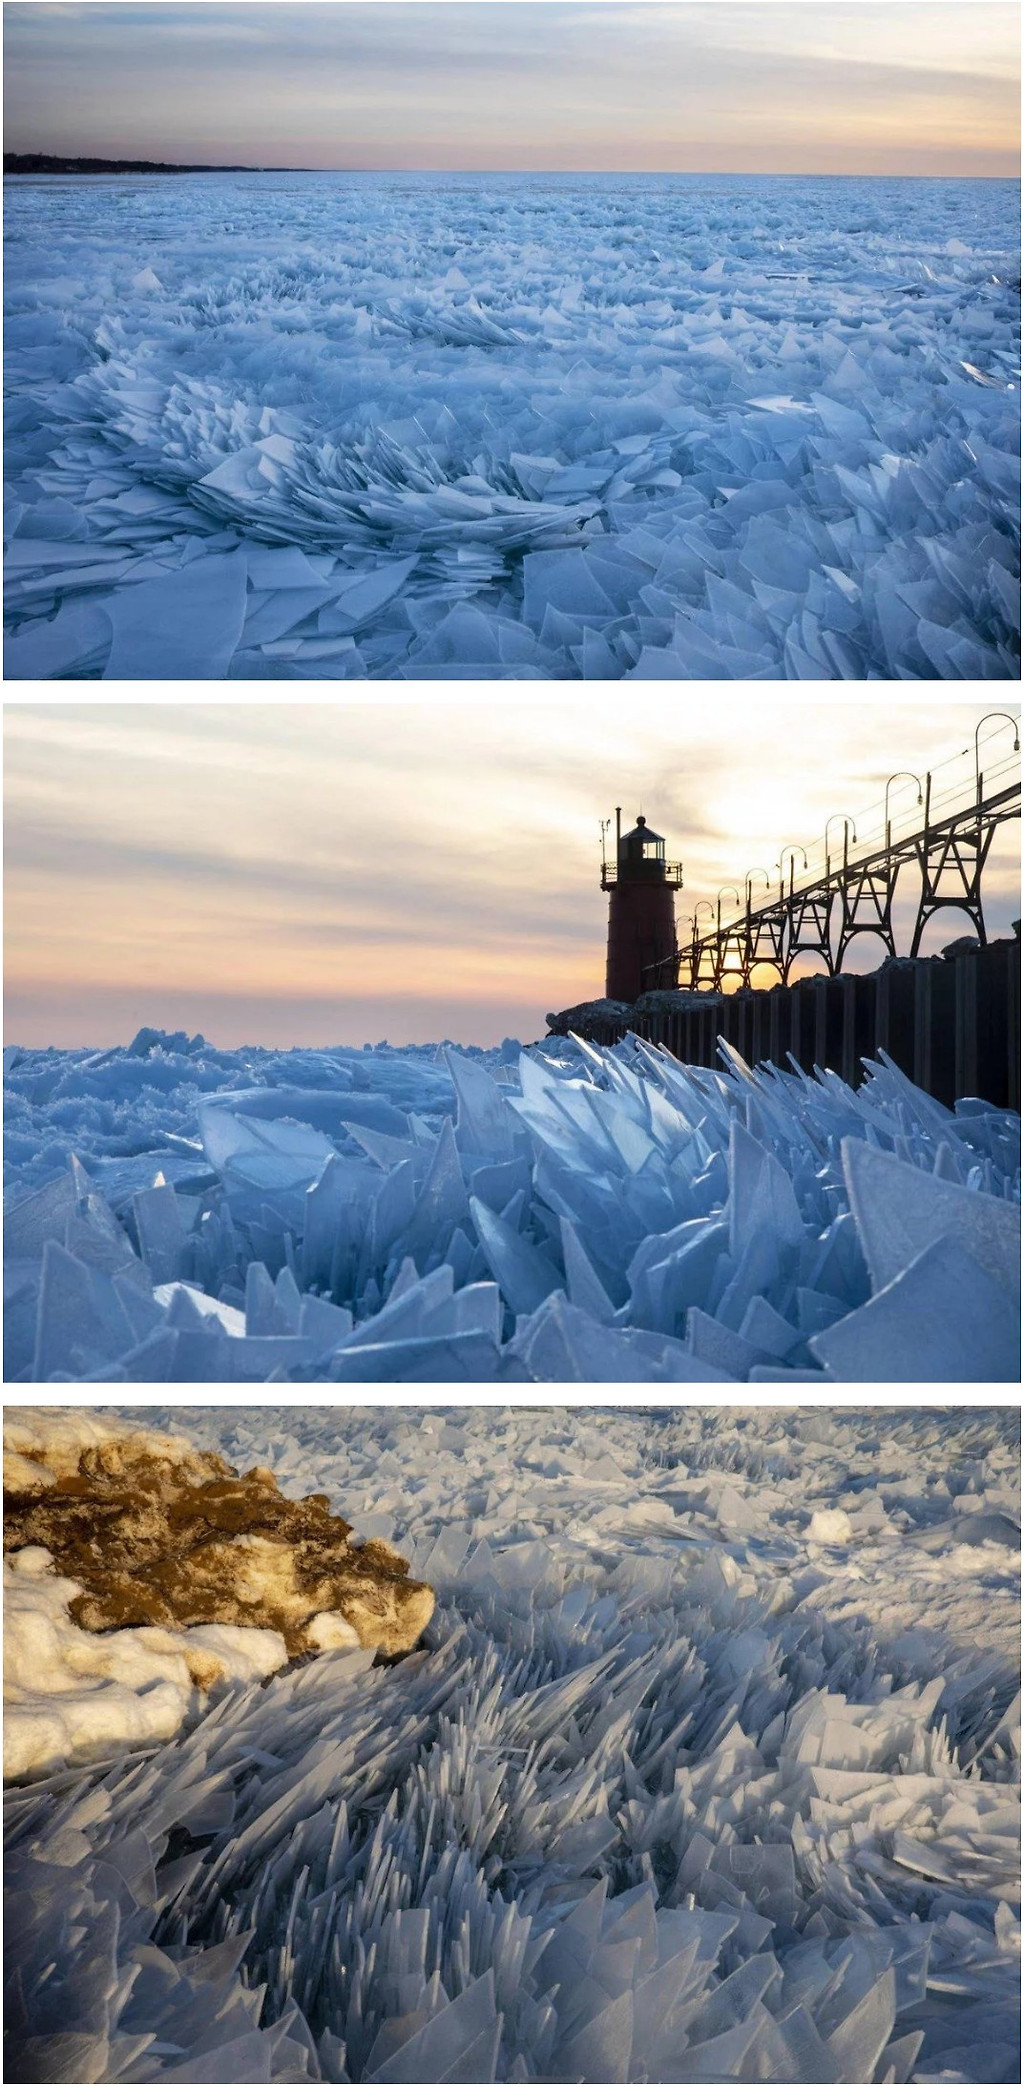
(641, 889)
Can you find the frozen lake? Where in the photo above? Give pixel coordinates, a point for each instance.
(176, 1213)
(569, 427)
(705, 1771)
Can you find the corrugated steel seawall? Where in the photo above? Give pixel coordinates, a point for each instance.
(952, 1026)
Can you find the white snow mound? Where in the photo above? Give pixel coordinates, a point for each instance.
(79, 1695)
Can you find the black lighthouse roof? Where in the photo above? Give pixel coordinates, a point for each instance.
(642, 832)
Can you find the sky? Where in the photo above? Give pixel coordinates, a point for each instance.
(295, 873)
(744, 86)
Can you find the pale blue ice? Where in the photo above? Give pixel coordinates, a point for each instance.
(175, 1213)
(672, 1791)
(517, 427)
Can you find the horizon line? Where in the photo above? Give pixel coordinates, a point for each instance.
(607, 173)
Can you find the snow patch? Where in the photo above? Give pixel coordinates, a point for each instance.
(830, 1525)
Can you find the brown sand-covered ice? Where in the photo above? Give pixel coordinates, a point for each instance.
(156, 1534)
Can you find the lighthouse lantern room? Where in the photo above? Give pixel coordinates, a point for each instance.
(641, 889)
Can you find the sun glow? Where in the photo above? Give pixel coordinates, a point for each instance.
(325, 873)
(911, 87)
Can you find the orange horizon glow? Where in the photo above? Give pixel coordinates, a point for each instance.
(915, 87)
(309, 873)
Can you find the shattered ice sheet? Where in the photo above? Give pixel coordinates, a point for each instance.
(707, 1771)
(412, 426)
(180, 1214)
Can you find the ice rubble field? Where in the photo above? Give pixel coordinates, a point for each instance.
(175, 1213)
(705, 1772)
(525, 427)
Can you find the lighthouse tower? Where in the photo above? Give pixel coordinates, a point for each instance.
(641, 909)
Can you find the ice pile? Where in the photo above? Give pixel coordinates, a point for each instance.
(512, 427)
(606, 1215)
(671, 1794)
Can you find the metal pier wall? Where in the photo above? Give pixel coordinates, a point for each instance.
(952, 1024)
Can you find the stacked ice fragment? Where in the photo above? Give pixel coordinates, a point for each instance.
(597, 1216)
(522, 428)
(650, 1806)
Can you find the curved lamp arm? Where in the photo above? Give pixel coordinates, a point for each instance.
(791, 852)
(987, 720)
(902, 775)
(730, 888)
(848, 829)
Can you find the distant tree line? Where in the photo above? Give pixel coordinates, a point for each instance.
(56, 163)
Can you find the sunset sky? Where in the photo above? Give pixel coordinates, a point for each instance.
(284, 873)
(772, 86)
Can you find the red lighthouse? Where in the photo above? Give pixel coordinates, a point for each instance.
(641, 910)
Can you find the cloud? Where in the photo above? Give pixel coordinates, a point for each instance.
(356, 901)
(520, 82)
(426, 855)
